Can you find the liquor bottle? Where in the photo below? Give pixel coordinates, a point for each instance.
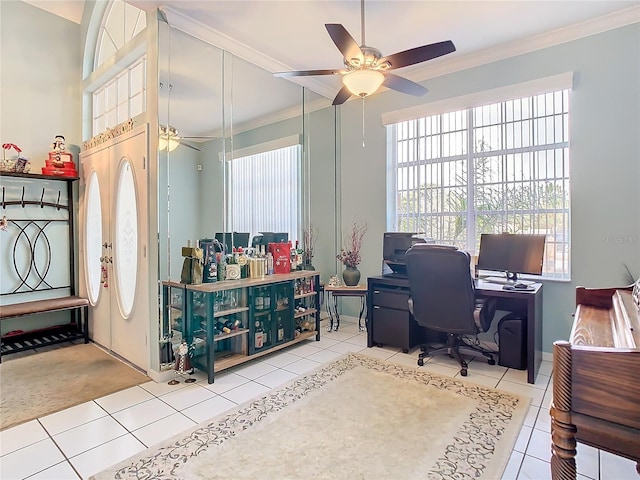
(259, 335)
(242, 261)
(280, 330)
(299, 256)
(269, 264)
(266, 299)
(292, 256)
(222, 268)
(259, 299)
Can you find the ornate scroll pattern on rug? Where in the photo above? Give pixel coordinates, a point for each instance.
(466, 456)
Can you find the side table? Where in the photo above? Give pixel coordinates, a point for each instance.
(332, 303)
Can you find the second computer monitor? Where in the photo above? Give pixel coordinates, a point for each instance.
(235, 239)
(511, 253)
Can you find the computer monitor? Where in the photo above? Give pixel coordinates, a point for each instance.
(265, 238)
(230, 240)
(394, 249)
(511, 253)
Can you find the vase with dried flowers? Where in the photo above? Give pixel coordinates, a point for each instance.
(309, 238)
(350, 254)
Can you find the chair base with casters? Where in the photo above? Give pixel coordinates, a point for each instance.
(455, 348)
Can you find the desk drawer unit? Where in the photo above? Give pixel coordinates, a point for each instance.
(392, 323)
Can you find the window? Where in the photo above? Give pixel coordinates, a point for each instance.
(123, 94)
(121, 98)
(265, 190)
(498, 167)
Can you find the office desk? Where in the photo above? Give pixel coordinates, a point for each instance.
(332, 303)
(389, 321)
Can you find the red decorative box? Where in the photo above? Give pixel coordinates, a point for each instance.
(281, 257)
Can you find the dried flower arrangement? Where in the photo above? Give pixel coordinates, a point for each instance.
(309, 238)
(350, 253)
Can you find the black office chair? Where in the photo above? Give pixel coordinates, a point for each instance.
(443, 299)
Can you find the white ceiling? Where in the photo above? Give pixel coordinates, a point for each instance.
(282, 35)
(290, 35)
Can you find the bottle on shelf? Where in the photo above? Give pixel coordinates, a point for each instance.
(269, 264)
(259, 299)
(299, 256)
(242, 261)
(222, 267)
(259, 335)
(280, 330)
(266, 298)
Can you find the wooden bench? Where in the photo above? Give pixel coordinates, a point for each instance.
(13, 342)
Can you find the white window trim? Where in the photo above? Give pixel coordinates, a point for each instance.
(562, 81)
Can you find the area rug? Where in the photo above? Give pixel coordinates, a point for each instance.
(47, 382)
(355, 418)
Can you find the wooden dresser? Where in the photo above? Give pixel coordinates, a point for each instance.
(596, 379)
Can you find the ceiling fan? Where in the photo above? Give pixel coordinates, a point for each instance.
(366, 69)
(169, 139)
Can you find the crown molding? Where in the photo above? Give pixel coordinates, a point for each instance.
(559, 36)
(217, 39)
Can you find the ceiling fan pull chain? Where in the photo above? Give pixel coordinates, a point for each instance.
(362, 122)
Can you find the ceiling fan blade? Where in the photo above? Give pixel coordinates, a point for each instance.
(345, 43)
(343, 96)
(308, 73)
(190, 146)
(403, 85)
(418, 54)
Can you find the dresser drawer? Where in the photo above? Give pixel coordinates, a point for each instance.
(390, 298)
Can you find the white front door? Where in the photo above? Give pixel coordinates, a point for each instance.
(114, 258)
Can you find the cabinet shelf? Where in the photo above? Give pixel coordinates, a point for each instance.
(308, 311)
(222, 336)
(304, 295)
(230, 311)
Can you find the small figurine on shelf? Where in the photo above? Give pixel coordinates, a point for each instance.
(183, 364)
(60, 162)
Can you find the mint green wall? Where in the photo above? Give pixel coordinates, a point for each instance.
(40, 59)
(605, 158)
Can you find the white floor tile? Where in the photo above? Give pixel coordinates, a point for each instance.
(479, 365)
(324, 356)
(382, 353)
(523, 439)
(532, 415)
(161, 388)
(188, 396)
(543, 422)
(208, 409)
(20, 436)
(276, 378)
(341, 335)
(546, 368)
(540, 445)
(253, 370)
(613, 467)
(72, 417)
(142, 414)
(534, 469)
(226, 381)
(346, 347)
(360, 340)
(325, 342)
(29, 460)
(99, 458)
(280, 359)
(163, 429)
(587, 460)
(61, 471)
(304, 349)
(301, 366)
(513, 466)
(535, 394)
(89, 435)
(246, 392)
(124, 399)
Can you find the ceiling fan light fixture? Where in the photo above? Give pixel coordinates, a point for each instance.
(172, 144)
(363, 82)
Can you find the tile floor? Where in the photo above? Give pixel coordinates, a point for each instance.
(82, 440)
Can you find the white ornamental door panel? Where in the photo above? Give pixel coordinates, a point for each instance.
(130, 326)
(95, 249)
(114, 262)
